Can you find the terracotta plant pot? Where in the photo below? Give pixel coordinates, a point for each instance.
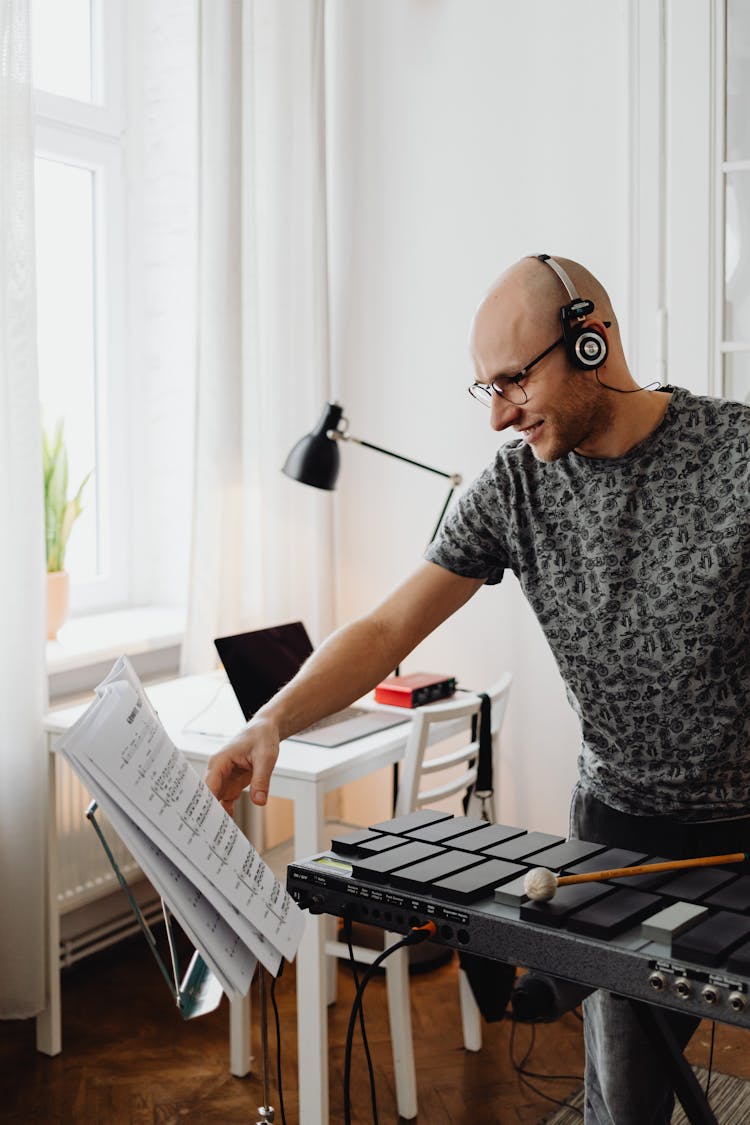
(58, 590)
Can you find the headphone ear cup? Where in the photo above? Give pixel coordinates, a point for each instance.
(586, 347)
(590, 349)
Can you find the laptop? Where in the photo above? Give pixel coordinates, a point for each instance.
(259, 663)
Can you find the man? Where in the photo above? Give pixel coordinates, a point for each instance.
(625, 514)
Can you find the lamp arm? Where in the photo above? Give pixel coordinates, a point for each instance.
(455, 478)
(441, 517)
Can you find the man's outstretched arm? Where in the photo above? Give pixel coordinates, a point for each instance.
(347, 665)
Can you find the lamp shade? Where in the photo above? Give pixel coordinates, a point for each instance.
(315, 458)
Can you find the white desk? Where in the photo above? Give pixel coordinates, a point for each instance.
(303, 774)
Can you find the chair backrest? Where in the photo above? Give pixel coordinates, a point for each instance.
(455, 717)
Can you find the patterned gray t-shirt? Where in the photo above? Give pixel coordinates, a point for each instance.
(638, 569)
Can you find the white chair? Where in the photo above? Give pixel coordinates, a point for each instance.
(458, 770)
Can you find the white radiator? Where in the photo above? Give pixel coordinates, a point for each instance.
(95, 911)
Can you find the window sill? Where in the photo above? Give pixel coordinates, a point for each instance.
(86, 647)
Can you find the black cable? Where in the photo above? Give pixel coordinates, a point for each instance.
(622, 390)
(414, 937)
(513, 1026)
(710, 1059)
(347, 931)
(523, 1074)
(278, 1043)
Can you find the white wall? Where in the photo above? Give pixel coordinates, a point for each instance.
(463, 134)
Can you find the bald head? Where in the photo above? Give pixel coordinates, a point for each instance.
(520, 314)
(524, 305)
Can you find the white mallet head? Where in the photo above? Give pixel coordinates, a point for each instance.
(540, 884)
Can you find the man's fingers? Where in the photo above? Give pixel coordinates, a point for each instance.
(247, 761)
(263, 763)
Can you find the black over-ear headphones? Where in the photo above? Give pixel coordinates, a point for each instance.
(586, 348)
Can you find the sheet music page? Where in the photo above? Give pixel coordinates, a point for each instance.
(222, 948)
(129, 760)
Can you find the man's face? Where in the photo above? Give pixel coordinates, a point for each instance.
(566, 408)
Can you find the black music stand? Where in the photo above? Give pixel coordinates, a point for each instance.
(199, 992)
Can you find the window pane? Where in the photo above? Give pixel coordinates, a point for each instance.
(66, 335)
(737, 376)
(61, 47)
(738, 80)
(737, 258)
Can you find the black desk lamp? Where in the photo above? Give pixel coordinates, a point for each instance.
(315, 459)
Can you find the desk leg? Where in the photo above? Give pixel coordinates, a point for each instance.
(312, 1014)
(49, 1021)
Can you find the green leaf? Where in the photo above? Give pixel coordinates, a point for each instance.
(60, 513)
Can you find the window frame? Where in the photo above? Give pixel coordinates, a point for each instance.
(92, 135)
(726, 348)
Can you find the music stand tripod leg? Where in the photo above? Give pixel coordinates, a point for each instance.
(265, 1111)
(686, 1085)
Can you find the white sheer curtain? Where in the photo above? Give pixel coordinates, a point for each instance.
(261, 544)
(22, 671)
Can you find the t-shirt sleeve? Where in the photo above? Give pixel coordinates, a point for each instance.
(471, 542)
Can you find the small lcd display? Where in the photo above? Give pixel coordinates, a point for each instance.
(337, 864)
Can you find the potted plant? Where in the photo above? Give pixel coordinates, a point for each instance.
(60, 513)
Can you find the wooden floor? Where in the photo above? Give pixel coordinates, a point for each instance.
(129, 1059)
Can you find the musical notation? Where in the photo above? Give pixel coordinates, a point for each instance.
(185, 842)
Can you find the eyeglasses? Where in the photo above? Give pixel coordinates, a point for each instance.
(509, 386)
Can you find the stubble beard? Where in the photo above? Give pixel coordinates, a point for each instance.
(586, 413)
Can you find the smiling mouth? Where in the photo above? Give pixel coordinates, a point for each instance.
(529, 430)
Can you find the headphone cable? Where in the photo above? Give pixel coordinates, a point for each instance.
(621, 390)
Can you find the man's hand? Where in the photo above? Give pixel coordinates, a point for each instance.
(247, 760)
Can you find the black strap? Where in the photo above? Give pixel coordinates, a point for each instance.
(484, 765)
(483, 722)
(491, 981)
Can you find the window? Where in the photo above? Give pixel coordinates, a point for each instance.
(735, 170)
(691, 70)
(80, 235)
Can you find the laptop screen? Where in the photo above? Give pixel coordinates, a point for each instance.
(261, 662)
